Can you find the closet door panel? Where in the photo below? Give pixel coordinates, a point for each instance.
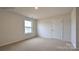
(56, 28)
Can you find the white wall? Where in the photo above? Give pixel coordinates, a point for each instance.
(73, 27)
(55, 27)
(67, 28)
(12, 28)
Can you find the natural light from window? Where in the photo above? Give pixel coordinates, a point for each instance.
(28, 26)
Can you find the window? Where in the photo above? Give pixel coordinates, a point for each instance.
(28, 26)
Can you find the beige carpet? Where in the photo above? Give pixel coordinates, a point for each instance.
(38, 44)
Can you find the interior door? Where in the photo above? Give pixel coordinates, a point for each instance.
(57, 29)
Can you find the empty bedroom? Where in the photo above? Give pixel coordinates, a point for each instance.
(38, 28)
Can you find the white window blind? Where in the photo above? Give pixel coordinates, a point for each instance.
(28, 26)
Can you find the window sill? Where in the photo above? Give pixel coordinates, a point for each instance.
(27, 33)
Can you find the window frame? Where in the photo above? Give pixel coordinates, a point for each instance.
(27, 27)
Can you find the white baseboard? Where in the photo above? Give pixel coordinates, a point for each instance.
(9, 43)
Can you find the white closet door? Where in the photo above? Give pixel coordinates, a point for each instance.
(57, 28)
(51, 28)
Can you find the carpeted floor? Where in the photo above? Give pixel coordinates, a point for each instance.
(39, 44)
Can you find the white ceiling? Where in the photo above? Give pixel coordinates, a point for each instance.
(42, 12)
